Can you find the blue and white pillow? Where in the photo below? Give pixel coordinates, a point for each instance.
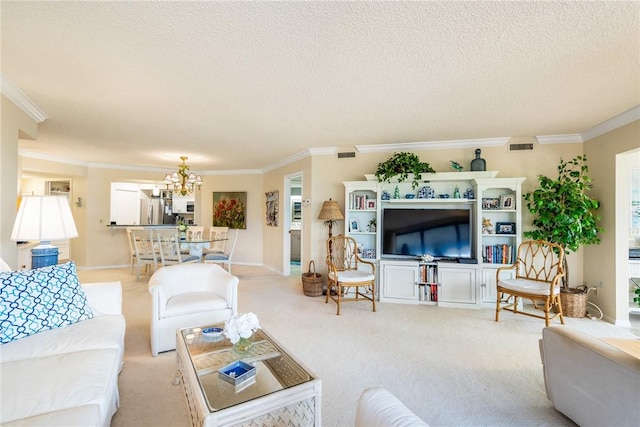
(33, 301)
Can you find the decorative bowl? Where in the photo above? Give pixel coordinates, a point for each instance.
(410, 196)
(212, 332)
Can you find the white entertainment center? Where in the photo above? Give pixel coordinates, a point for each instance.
(405, 276)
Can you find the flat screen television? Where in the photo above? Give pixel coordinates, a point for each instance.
(440, 232)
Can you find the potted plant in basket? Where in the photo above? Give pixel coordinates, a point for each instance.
(565, 214)
(401, 165)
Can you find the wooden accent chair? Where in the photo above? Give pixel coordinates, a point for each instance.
(348, 270)
(538, 273)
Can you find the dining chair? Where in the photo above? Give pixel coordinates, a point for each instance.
(146, 250)
(132, 250)
(218, 237)
(225, 256)
(168, 242)
(195, 232)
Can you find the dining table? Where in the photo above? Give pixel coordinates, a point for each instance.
(196, 245)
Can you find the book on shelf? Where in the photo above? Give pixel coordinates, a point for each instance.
(498, 254)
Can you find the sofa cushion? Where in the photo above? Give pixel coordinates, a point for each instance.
(78, 416)
(93, 334)
(37, 300)
(34, 387)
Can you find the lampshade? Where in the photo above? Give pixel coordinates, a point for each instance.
(44, 218)
(330, 211)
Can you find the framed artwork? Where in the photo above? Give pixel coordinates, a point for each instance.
(354, 225)
(272, 208)
(505, 228)
(490, 203)
(508, 201)
(230, 209)
(371, 204)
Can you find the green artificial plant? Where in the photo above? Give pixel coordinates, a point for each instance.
(401, 165)
(563, 211)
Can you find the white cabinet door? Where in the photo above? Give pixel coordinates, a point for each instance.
(458, 284)
(488, 284)
(125, 207)
(399, 282)
(180, 203)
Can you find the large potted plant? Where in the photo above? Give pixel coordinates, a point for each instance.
(565, 214)
(400, 165)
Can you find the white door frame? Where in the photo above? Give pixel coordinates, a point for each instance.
(286, 223)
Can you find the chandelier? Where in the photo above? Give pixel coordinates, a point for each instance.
(182, 182)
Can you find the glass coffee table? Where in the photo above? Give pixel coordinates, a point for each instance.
(280, 392)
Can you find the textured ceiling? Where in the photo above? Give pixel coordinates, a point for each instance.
(242, 85)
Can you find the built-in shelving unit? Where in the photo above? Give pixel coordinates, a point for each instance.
(361, 216)
(412, 281)
(62, 188)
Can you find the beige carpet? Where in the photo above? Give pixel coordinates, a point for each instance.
(453, 367)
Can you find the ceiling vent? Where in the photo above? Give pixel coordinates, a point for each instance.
(515, 147)
(346, 155)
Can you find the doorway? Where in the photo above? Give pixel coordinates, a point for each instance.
(292, 237)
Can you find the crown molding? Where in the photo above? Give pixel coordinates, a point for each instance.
(434, 145)
(613, 123)
(569, 138)
(310, 152)
(22, 101)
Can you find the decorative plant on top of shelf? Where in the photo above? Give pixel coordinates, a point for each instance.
(401, 165)
(564, 213)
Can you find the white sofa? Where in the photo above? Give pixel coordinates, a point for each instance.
(67, 376)
(593, 381)
(378, 407)
(189, 295)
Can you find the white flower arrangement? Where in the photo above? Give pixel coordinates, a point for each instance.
(182, 227)
(241, 326)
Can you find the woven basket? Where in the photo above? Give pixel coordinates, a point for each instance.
(574, 302)
(312, 282)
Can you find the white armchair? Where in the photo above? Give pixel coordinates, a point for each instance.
(189, 295)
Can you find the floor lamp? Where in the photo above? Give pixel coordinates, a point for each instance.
(42, 219)
(330, 213)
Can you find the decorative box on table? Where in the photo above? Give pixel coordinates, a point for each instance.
(238, 373)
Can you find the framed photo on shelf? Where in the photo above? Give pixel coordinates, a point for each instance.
(505, 228)
(508, 201)
(490, 203)
(371, 204)
(354, 225)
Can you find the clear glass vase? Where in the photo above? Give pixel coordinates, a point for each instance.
(243, 345)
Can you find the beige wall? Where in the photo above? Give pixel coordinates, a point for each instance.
(15, 124)
(100, 246)
(329, 172)
(606, 263)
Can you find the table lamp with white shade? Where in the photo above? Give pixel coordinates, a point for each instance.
(44, 218)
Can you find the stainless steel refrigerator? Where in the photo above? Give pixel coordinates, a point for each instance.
(154, 211)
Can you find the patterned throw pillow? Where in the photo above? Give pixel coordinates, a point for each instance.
(37, 300)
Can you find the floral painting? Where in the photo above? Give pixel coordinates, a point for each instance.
(230, 209)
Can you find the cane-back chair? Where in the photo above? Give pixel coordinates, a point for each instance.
(538, 277)
(347, 270)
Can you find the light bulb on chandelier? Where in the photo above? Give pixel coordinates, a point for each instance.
(182, 181)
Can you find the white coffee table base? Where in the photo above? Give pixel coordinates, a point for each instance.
(295, 406)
